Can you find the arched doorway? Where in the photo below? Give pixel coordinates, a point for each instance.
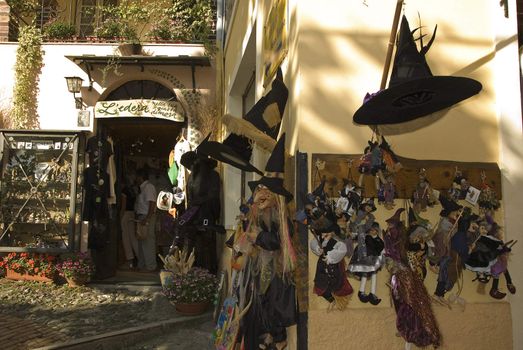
(132, 116)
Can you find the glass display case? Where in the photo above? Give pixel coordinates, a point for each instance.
(40, 194)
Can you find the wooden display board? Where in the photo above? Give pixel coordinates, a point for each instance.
(440, 174)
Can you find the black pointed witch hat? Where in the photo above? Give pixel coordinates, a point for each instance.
(413, 91)
(265, 116)
(448, 205)
(274, 170)
(261, 125)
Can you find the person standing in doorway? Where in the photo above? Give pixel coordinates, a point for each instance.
(145, 216)
(129, 241)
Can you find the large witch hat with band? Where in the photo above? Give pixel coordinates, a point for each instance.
(261, 125)
(235, 150)
(274, 170)
(190, 157)
(413, 91)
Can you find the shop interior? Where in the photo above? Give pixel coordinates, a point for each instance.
(144, 143)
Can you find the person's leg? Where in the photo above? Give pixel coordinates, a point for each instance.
(149, 245)
(128, 236)
(132, 236)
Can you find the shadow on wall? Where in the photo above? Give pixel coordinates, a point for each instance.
(327, 96)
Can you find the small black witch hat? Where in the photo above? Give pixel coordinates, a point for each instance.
(261, 125)
(413, 91)
(448, 205)
(274, 170)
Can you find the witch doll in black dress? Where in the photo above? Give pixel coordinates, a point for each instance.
(367, 260)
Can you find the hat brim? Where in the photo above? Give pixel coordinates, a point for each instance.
(188, 159)
(414, 99)
(272, 186)
(245, 128)
(226, 154)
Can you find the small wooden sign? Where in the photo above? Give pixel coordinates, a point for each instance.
(440, 174)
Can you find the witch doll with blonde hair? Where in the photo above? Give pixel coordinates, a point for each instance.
(272, 260)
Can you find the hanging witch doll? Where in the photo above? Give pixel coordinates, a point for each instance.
(415, 320)
(330, 279)
(423, 195)
(420, 245)
(271, 260)
(367, 260)
(379, 160)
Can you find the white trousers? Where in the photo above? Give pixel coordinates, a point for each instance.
(129, 241)
(147, 246)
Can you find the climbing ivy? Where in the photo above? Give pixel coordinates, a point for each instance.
(29, 63)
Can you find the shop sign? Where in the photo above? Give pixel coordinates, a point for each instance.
(171, 110)
(274, 40)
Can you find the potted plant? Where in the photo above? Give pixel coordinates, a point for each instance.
(110, 30)
(161, 31)
(191, 292)
(76, 268)
(29, 266)
(59, 31)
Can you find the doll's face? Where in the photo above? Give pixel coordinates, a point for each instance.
(453, 215)
(373, 232)
(483, 230)
(326, 235)
(264, 198)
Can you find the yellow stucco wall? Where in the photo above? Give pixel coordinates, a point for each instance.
(342, 50)
(480, 326)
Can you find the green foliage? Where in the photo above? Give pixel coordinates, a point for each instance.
(161, 30)
(184, 21)
(24, 8)
(127, 20)
(191, 19)
(115, 30)
(59, 30)
(29, 63)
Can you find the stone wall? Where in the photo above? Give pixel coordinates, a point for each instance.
(4, 21)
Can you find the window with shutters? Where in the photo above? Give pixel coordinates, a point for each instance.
(90, 15)
(46, 11)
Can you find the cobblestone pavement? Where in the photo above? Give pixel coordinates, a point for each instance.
(33, 315)
(18, 333)
(185, 338)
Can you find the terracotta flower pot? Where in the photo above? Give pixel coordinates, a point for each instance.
(191, 309)
(12, 275)
(76, 281)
